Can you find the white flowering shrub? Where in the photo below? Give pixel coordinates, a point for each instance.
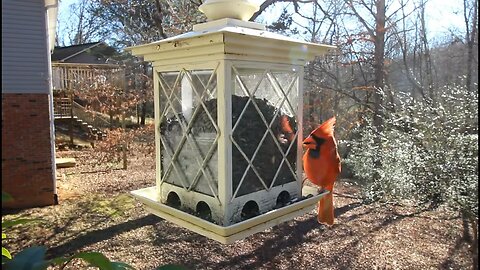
(428, 153)
(463, 190)
(394, 179)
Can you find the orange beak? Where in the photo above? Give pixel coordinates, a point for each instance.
(309, 142)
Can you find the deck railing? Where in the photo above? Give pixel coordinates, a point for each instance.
(70, 76)
(62, 107)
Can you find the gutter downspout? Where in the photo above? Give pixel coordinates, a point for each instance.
(51, 9)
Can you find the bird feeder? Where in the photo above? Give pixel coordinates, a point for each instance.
(228, 125)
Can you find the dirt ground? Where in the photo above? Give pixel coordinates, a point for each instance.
(96, 214)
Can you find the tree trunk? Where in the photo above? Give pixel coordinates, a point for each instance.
(466, 229)
(379, 87)
(379, 59)
(428, 58)
(474, 223)
(137, 114)
(470, 37)
(143, 113)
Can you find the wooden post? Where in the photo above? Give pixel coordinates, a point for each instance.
(124, 146)
(124, 112)
(70, 127)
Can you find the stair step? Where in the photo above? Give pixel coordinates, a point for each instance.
(65, 162)
(86, 129)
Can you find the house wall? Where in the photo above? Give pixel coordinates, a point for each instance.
(28, 167)
(24, 47)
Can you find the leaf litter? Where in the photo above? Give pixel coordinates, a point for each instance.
(95, 213)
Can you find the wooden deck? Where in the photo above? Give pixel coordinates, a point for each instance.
(70, 76)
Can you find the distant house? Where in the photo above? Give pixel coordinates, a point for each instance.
(74, 68)
(82, 62)
(28, 153)
(88, 53)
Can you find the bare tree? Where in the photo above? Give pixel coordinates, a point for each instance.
(470, 14)
(134, 22)
(415, 51)
(80, 26)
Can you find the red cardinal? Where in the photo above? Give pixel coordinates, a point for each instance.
(287, 128)
(321, 163)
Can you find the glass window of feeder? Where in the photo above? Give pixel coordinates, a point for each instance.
(264, 111)
(189, 130)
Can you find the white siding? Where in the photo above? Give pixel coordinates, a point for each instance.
(24, 47)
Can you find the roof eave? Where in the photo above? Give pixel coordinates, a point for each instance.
(79, 52)
(51, 7)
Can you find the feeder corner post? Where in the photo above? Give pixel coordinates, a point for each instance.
(224, 147)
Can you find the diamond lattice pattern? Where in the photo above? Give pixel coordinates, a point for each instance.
(188, 130)
(264, 133)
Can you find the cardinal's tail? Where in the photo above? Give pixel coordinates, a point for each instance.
(325, 210)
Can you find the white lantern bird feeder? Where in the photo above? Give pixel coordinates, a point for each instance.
(228, 118)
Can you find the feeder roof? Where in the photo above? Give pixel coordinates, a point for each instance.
(234, 39)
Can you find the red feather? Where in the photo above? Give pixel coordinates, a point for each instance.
(322, 166)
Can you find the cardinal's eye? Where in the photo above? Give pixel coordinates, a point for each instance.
(318, 140)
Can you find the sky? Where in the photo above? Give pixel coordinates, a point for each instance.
(442, 15)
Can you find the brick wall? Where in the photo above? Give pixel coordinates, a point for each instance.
(27, 171)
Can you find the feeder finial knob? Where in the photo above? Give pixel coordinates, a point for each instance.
(234, 9)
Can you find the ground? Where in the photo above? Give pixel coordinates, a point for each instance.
(96, 214)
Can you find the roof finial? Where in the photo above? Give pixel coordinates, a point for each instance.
(235, 9)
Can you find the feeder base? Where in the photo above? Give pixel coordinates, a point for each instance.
(229, 234)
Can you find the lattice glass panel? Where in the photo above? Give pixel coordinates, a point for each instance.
(264, 133)
(189, 130)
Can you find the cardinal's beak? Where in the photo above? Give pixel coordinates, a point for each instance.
(309, 142)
